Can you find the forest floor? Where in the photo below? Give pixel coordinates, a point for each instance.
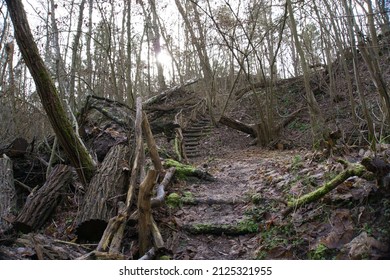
(238, 215)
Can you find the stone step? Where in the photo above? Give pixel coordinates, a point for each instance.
(193, 155)
(192, 150)
(193, 134)
(190, 144)
(197, 129)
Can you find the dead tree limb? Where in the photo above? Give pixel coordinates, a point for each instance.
(41, 204)
(137, 154)
(160, 191)
(158, 98)
(235, 124)
(157, 238)
(352, 170)
(153, 151)
(145, 212)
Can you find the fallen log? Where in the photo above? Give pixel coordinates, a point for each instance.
(7, 192)
(184, 170)
(352, 170)
(165, 94)
(104, 192)
(235, 124)
(42, 247)
(241, 228)
(41, 204)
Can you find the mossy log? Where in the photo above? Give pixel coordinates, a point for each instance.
(183, 171)
(352, 170)
(241, 228)
(41, 204)
(104, 192)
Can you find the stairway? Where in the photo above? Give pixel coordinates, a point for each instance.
(193, 135)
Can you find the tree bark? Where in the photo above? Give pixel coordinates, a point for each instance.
(72, 145)
(7, 192)
(41, 204)
(318, 127)
(105, 190)
(145, 211)
(235, 124)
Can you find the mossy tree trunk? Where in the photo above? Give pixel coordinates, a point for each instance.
(72, 145)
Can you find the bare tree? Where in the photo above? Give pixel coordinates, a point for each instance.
(319, 130)
(70, 142)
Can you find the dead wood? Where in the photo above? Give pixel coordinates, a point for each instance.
(381, 170)
(7, 193)
(160, 190)
(96, 255)
(219, 229)
(145, 212)
(16, 149)
(104, 192)
(42, 247)
(157, 237)
(165, 94)
(149, 255)
(184, 170)
(104, 123)
(153, 151)
(113, 234)
(41, 203)
(235, 124)
(352, 170)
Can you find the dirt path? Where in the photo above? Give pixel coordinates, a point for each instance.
(225, 203)
(236, 216)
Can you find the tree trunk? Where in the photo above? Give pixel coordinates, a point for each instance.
(75, 49)
(41, 204)
(319, 131)
(72, 145)
(7, 192)
(104, 192)
(235, 124)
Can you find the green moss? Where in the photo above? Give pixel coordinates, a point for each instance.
(188, 198)
(321, 252)
(182, 170)
(164, 258)
(248, 226)
(173, 200)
